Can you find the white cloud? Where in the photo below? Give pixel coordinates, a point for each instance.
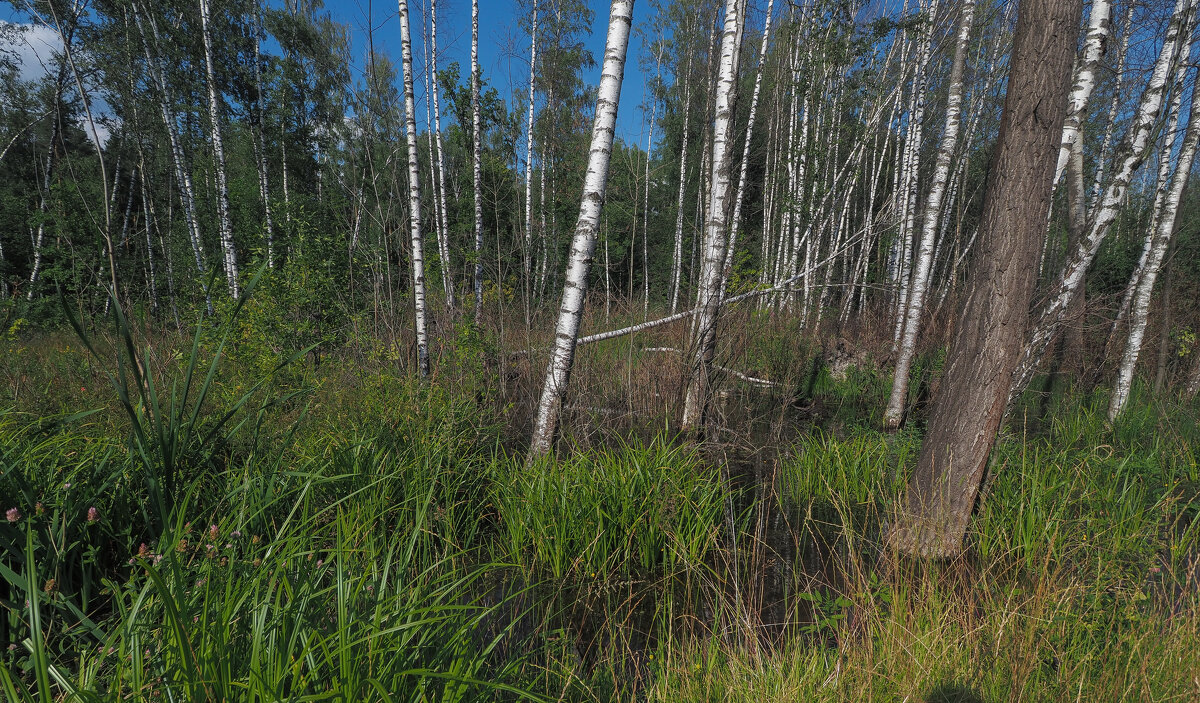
(32, 47)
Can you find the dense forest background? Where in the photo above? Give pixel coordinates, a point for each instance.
(311, 180)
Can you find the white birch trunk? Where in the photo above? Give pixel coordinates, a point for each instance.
(1135, 145)
(911, 185)
(1145, 284)
(1111, 122)
(716, 227)
(476, 166)
(224, 226)
(933, 208)
(260, 148)
(583, 246)
(1085, 82)
(444, 217)
(414, 193)
(677, 260)
(183, 173)
(527, 258)
(745, 167)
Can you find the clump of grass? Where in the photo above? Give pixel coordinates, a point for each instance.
(632, 509)
(335, 608)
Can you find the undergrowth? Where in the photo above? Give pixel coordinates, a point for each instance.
(182, 525)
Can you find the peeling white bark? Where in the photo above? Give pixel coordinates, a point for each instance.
(583, 246)
(476, 169)
(717, 225)
(1137, 141)
(1145, 282)
(224, 225)
(414, 193)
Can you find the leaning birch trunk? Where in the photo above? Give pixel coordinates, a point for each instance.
(583, 246)
(745, 167)
(677, 261)
(914, 142)
(1137, 140)
(1111, 121)
(224, 226)
(183, 173)
(933, 208)
(1085, 82)
(712, 262)
(476, 158)
(260, 147)
(528, 253)
(444, 223)
(1140, 311)
(414, 192)
(43, 201)
(1161, 190)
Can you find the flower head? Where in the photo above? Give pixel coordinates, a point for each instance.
(213, 531)
(93, 515)
(13, 514)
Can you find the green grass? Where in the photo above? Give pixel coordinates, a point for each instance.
(344, 532)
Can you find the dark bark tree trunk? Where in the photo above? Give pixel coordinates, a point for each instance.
(988, 338)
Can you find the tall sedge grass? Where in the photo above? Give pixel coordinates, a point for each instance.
(634, 508)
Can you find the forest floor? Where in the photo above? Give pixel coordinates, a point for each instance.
(231, 527)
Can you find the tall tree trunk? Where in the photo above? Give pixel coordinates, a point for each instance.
(444, 220)
(414, 193)
(224, 226)
(583, 246)
(736, 221)
(1140, 312)
(476, 168)
(677, 261)
(912, 169)
(183, 171)
(1085, 82)
(260, 147)
(970, 402)
(528, 253)
(1135, 145)
(704, 332)
(933, 209)
(1110, 122)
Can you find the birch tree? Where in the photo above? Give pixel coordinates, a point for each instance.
(677, 258)
(583, 245)
(1137, 141)
(1146, 277)
(527, 253)
(414, 193)
(443, 226)
(735, 223)
(1085, 81)
(224, 225)
(716, 229)
(476, 168)
(933, 208)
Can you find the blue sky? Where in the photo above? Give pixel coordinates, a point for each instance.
(503, 46)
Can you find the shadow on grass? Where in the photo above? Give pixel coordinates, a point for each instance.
(952, 693)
